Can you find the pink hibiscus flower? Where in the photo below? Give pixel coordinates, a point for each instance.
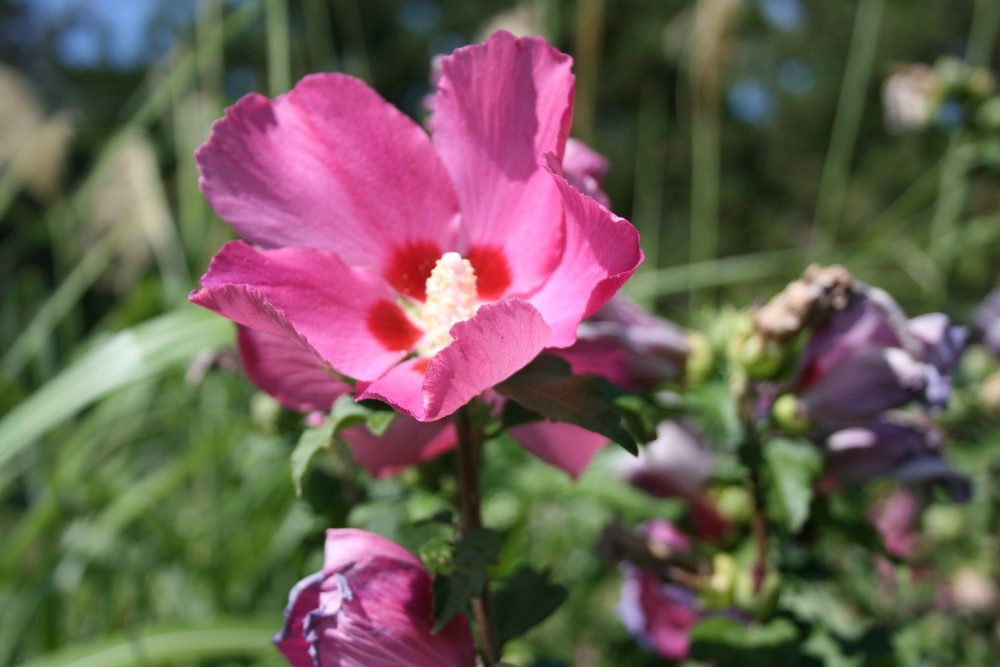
(371, 606)
(426, 268)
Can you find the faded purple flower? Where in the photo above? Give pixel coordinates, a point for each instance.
(902, 446)
(867, 357)
(629, 345)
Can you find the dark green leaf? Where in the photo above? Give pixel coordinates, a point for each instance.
(476, 550)
(526, 600)
(794, 465)
(547, 386)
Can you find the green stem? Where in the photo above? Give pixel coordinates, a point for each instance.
(983, 33)
(470, 438)
(279, 52)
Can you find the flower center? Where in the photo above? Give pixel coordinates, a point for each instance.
(451, 297)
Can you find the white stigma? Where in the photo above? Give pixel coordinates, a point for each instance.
(450, 298)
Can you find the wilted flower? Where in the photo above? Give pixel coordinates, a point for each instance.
(426, 269)
(867, 357)
(371, 606)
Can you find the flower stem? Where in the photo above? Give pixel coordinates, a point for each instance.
(470, 437)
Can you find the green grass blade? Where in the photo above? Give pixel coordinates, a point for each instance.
(163, 647)
(127, 357)
(847, 122)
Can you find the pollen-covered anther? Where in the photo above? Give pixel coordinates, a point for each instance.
(451, 297)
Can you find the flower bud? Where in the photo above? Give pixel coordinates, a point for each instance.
(788, 415)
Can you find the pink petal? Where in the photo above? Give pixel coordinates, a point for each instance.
(291, 640)
(329, 165)
(499, 340)
(289, 370)
(402, 388)
(347, 316)
(601, 357)
(405, 443)
(565, 446)
(602, 252)
(499, 107)
(376, 609)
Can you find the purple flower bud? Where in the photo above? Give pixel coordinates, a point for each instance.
(651, 349)
(585, 169)
(677, 463)
(371, 606)
(894, 517)
(657, 614)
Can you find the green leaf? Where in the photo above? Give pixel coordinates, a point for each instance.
(794, 466)
(438, 555)
(379, 421)
(547, 386)
(525, 600)
(726, 642)
(310, 443)
(346, 412)
(476, 550)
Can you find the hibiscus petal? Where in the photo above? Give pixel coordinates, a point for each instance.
(329, 165)
(289, 370)
(291, 640)
(405, 443)
(499, 107)
(565, 446)
(499, 340)
(346, 315)
(376, 609)
(602, 252)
